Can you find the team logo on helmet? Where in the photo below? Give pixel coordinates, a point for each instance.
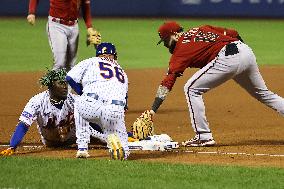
(104, 50)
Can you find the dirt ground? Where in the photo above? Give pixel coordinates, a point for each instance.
(247, 132)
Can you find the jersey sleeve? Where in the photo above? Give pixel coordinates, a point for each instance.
(77, 72)
(169, 81)
(176, 68)
(86, 12)
(32, 6)
(29, 113)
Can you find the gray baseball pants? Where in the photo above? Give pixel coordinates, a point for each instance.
(240, 66)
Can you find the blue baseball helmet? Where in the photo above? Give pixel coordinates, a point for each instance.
(106, 48)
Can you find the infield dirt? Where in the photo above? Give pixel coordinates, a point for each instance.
(240, 124)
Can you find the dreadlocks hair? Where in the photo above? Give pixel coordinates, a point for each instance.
(53, 75)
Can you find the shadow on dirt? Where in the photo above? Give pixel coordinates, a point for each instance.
(255, 142)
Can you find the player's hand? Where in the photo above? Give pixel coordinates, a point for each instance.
(93, 37)
(31, 19)
(8, 152)
(152, 112)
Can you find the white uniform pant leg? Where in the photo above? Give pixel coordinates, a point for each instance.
(57, 39)
(212, 75)
(112, 120)
(63, 41)
(251, 80)
(72, 47)
(89, 110)
(82, 129)
(98, 135)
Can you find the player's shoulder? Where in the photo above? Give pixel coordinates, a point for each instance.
(41, 95)
(87, 62)
(38, 99)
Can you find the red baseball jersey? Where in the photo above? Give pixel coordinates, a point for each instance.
(66, 9)
(196, 48)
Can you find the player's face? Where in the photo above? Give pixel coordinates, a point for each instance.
(167, 42)
(59, 89)
(170, 43)
(110, 56)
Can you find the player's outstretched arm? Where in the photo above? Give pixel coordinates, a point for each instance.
(16, 139)
(161, 95)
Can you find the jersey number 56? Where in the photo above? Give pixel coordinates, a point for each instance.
(108, 71)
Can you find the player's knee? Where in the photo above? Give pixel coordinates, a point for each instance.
(188, 88)
(190, 91)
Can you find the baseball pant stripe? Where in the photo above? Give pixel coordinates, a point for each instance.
(190, 103)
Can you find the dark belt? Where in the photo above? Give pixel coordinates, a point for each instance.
(64, 22)
(231, 49)
(115, 102)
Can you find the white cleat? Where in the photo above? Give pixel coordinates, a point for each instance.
(115, 148)
(196, 142)
(82, 154)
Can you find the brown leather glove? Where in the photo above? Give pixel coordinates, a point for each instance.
(143, 126)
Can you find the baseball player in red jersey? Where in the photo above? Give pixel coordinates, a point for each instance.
(221, 55)
(63, 31)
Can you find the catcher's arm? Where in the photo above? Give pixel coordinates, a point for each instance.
(16, 139)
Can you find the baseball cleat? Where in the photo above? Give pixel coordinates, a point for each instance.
(195, 142)
(116, 150)
(82, 153)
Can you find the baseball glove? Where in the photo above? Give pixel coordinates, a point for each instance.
(93, 37)
(143, 126)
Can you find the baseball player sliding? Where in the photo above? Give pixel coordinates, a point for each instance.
(53, 110)
(102, 85)
(221, 55)
(63, 31)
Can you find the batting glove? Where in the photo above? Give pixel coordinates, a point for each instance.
(31, 19)
(8, 152)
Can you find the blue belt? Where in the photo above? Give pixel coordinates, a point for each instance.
(115, 102)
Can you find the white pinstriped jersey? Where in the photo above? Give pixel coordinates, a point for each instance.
(48, 117)
(102, 76)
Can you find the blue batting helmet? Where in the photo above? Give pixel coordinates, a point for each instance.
(106, 48)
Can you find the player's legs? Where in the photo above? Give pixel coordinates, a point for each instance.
(58, 43)
(82, 130)
(86, 110)
(98, 135)
(251, 80)
(212, 75)
(112, 120)
(72, 47)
